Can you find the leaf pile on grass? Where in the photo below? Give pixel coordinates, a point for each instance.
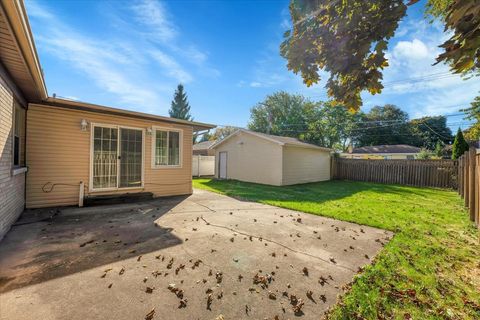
(429, 270)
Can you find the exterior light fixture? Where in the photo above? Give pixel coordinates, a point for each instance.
(149, 131)
(83, 125)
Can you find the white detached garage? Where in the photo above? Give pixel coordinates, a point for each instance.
(261, 158)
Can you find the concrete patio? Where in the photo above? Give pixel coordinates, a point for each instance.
(205, 256)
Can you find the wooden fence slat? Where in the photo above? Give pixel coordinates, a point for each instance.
(422, 173)
(462, 174)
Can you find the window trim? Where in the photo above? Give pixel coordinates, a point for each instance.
(180, 149)
(90, 175)
(14, 135)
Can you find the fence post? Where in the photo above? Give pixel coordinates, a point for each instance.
(472, 153)
(477, 189)
(466, 177)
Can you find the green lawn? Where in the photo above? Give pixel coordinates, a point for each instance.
(429, 270)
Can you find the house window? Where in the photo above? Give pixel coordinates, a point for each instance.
(167, 148)
(17, 136)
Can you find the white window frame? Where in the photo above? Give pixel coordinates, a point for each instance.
(180, 145)
(118, 127)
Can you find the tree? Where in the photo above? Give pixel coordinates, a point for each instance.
(439, 150)
(473, 113)
(280, 114)
(349, 39)
(328, 126)
(460, 146)
(386, 124)
(428, 131)
(223, 132)
(424, 154)
(295, 116)
(207, 136)
(180, 108)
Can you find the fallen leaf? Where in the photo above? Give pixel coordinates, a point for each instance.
(150, 315)
(149, 290)
(209, 301)
(305, 271)
(183, 304)
(219, 277)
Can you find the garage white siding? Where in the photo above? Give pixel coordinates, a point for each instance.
(302, 165)
(251, 159)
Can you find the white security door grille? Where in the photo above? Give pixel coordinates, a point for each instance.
(105, 146)
(117, 157)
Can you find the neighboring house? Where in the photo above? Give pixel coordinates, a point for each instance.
(387, 152)
(204, 148)
(267, 159)
(73, 149)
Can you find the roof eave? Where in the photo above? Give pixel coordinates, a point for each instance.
(18, 19)
(71, 104)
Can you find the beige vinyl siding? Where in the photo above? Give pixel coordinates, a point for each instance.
(11, 186)
(59, 152)
(303, 165)
(252, 159)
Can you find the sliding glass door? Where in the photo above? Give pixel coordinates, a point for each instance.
(130, 158)
(117, 157)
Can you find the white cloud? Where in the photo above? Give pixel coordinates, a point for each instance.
(154, 15)
(139, 65)
(98, 60)
(415, 49)
(174, 69)
(160, 31)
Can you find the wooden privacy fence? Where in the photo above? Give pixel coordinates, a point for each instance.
(421, 173)
(469, 182)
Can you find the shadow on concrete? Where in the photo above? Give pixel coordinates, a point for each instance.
(49, 243)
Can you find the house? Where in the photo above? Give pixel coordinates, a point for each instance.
(391, 152)
(56, 152)
(261, 158)
(204, 148)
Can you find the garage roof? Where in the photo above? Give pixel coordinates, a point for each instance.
(283, 141)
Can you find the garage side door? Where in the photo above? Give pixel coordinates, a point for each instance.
(222, 165)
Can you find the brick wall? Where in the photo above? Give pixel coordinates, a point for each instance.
(11, 186)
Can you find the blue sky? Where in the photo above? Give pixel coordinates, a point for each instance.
(133, 54)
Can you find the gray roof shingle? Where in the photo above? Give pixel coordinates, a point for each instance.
(394, 148)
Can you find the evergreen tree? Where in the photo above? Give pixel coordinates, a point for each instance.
(180, 108)
(439, 149)
(460, 146)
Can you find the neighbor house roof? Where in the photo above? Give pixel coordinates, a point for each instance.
(283, 141)
(77, 105)
(204, 145)
(394, 148)
(18, 55)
